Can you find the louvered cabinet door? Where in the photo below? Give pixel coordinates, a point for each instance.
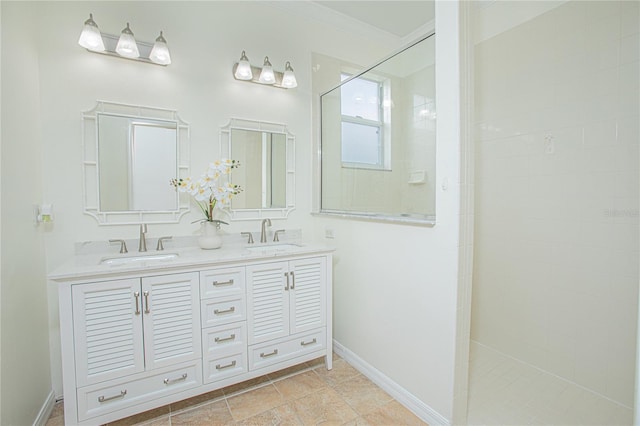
(307, 294)
(107, 326)
(267, 302)
(171, 318)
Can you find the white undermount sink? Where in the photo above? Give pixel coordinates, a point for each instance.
(270, 248)
(140, 258)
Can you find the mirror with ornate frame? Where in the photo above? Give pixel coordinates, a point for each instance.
(130, 154)
(267, 173)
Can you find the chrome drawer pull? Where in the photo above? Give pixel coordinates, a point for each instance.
(293, 280)
(172, 381)
(221, 283)
(263, 355)
(222, 367)
(226, 311)
(137, 296)
(303, 343)
(225, 339)
(286, 274)
(147, 310)
(111, 398)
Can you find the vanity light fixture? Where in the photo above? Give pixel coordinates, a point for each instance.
(125, 45)
(243, 70)
(160, 52)
(289, 78)
(90, 37)
(266, 75)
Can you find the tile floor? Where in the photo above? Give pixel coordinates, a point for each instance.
(504, 391)
(307, 394)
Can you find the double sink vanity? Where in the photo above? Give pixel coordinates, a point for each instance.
(145, 329)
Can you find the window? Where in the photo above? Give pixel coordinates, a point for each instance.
(363, 139)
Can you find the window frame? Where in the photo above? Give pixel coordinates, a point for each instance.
(383, 124)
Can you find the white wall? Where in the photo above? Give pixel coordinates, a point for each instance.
(396, 286)
(26, 380)
(556, 243)
(205, 40)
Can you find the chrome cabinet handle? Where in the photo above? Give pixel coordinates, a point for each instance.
(111, 398)
(263, 355)
(225, 339)
(147, 310)
(221, 283)
(286, 274)
(137, 296)
(226, 311)
(222, 367)
(293, 280)
(303, 343)
(172, 381)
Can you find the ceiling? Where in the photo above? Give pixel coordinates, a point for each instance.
(399, 17)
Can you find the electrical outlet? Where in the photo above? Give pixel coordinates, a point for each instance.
(328, 233)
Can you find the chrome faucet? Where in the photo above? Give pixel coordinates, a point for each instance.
(263, 234)
(143, 242)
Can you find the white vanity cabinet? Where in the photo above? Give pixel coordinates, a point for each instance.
(286, 304)
(133, 338)
(140, 338)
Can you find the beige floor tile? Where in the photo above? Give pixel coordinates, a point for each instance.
(362, 394)
(55, 421)
(299, 385)
(214, 414)
(254, 402)
(282, 415)
(323, 407)
(393, 413)
(245, 386)
(144, 417)
(341, 371)
(197, 400)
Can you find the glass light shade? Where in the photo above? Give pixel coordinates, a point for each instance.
(243, 70)
(160, 52)
(289, 78)
(90, 38)
(127, 46)
(267, 76)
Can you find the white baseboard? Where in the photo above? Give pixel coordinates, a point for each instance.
(404, 397)
(46, 410)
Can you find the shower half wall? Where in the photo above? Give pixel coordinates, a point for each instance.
(556, 187)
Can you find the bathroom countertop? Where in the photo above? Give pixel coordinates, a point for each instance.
(89, 266)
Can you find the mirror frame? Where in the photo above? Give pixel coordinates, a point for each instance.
(90, 164)
(226, 152)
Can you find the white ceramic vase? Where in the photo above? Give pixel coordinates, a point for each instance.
(209, 237)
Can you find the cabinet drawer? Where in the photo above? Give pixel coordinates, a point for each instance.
(221, 282)
(272, 353)
(224, 340)
(225, 367)
(111, 396)
(222, 311)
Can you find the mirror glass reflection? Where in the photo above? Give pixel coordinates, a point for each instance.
(378, 138)
(136, 159)
(263, 173)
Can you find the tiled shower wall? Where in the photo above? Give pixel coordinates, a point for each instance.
(556, 228)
